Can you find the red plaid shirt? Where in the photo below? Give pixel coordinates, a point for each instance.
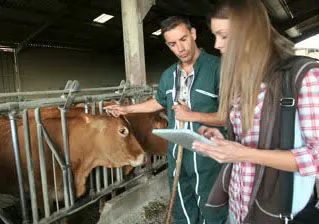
(307, 157)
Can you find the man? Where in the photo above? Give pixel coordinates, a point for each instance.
(188, 90)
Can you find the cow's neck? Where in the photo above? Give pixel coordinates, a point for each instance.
(82, 170)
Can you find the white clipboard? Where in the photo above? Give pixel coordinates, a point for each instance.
(184, 137)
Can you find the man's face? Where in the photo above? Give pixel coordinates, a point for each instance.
(181, 41)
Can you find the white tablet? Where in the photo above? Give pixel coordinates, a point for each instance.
(184, 137)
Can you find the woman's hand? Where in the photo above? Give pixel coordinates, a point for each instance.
(223, 152)
(210, 132)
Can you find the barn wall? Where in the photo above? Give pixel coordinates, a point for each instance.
(7, 80)
(42, 69)
(48, 69)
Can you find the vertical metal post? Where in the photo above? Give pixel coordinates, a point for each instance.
(56, 187)
(56, 157)
(112, 176)
(101, 107)
(105, 181)
(119, 174)
(15, 144)
(155, 158)
(97, 169)
(16, 71)
(43, 170)
(67, 154)
(3, 218)
(93, 111)
(105, 176)
(86, 109)
(32, 188)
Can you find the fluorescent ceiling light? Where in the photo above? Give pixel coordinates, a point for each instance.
(6, 49)
(103, 18)
(157, 32)
(293, 32)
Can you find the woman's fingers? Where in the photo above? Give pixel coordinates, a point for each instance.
(224, 150)
(210, 132)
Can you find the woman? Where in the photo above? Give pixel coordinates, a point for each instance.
(252, 55)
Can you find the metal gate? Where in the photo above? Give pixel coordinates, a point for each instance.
(102, 181)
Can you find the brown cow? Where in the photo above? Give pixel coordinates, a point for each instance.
(142, 125)
(99, 140)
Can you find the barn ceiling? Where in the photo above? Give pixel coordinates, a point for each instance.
(69, 23)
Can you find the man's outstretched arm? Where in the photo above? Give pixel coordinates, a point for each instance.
(146, 107)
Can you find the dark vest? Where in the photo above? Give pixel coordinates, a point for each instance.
(272, 189)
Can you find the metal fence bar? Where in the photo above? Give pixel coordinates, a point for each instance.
(91, 177)
(15, 141)
(98, 179)
(97, 169)
(155, 158)
(3, 218)
(93, 111)
(57, 101)
(94, 198)
(92, 182)
(116, 175)
(104, 169)
(37, 93)
(67, 154)
(65, 91)
(112, 176)
(55, 184)
(62, 166)
(119, 174)
(32, 188)
(105, 177)
(44, 180)
(101, 107)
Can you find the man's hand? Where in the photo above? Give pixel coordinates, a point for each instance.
(182, 111)
(117, 110)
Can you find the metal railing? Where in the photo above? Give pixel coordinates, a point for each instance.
(102, 180)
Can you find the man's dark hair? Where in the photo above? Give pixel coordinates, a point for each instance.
(173, 21)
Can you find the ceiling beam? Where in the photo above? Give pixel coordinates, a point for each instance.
(290, 23)
(276, 9)
(38, 31)
(144, 7)
(50, 21)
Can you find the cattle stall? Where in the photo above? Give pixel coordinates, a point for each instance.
(37, 202)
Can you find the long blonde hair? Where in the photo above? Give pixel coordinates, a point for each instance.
(251, 47)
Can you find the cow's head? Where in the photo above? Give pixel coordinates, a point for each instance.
(143, 124)
(102, 140)
(113, 141)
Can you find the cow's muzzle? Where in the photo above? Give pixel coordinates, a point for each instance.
(139, 160)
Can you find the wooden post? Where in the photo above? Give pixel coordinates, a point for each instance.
(133, 13)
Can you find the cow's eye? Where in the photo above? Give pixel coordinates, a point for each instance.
(123, 131)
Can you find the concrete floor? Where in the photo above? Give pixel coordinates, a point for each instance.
(143, 204)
